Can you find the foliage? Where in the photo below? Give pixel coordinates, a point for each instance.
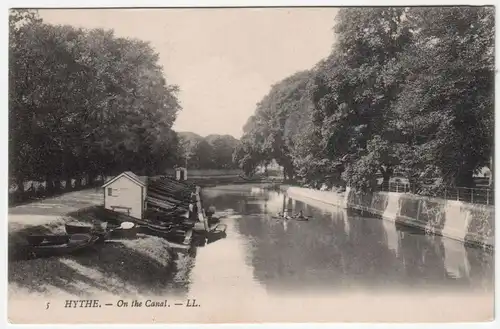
(407, 90)
(84, 102)
(445, 110)
(272, 132)
(211, 152)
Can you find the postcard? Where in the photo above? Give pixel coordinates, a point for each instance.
(251, 165)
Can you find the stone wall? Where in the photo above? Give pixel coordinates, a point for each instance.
(470, 223)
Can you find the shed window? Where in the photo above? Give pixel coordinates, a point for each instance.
(110, 191)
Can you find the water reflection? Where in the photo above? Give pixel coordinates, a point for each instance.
(335, 250)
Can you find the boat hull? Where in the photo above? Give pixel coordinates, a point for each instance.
(76, 243)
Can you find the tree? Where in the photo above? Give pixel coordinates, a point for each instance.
(445, 110)
(223, 147)
(84, 103)
(354, 88)
(202, 156)
(272, 131)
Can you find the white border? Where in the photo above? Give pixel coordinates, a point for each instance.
(240, 3)
(200, 3)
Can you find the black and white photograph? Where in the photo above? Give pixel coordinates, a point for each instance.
(255, 165)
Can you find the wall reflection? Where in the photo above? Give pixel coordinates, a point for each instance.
(340, 250)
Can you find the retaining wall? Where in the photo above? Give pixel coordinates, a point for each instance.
(470, 223)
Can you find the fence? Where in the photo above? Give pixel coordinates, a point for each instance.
(465, 194)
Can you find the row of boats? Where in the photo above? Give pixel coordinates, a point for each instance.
(172, 215)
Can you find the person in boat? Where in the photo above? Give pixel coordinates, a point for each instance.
(300, 215)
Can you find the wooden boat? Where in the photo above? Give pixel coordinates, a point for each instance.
(46, 239)
(76, 242)
(295, 217)
(172, 235)
(178, 246)
(159, 225)
(218, 228)
(213, 220)
(78, 228)
(98, 229)
(120, 233)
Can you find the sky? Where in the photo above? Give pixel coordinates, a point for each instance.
(223, 60)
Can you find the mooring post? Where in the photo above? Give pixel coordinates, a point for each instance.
(201, 214)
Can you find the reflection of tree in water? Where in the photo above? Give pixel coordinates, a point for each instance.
(319, 253)
(296, 256)
(482, 267)
(235, 201)
(423, 257)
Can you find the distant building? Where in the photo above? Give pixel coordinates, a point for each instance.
(126, 193)
(180, 173)
(483, 172)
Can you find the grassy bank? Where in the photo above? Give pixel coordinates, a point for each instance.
(117, 267)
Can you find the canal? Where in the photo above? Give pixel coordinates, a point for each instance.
(335, 253)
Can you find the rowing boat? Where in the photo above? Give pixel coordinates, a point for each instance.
(75, 242)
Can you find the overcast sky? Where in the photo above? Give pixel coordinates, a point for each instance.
(223, 60)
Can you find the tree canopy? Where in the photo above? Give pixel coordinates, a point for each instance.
(84, 103)
(210, 152)
(404, 90)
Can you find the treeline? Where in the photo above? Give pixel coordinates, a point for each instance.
(85, 103)
(405, 91)
(211, 152)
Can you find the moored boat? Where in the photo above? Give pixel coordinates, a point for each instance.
(75, 242)
(78, 228)
(172, 235)
(46, 239)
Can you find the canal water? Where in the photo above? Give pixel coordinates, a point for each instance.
(333, 251)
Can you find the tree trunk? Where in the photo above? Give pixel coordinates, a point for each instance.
(20, 184)
(91, 178)
(57, 185)
(69, 185)
(49, 185)
(78, 182)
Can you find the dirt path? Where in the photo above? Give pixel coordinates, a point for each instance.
(52, 209)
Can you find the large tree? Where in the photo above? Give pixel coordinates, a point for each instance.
(445, 110)
(354, 88)
(273, 131)
(84, 103)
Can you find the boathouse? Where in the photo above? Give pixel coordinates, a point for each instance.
(126, 193)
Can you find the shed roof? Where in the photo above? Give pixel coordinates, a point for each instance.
(139, 180)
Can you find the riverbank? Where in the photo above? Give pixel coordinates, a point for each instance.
(472, 224)
(112, 268)
(335, 262)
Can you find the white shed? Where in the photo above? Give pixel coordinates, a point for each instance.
(180, 173)
(126, 193)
